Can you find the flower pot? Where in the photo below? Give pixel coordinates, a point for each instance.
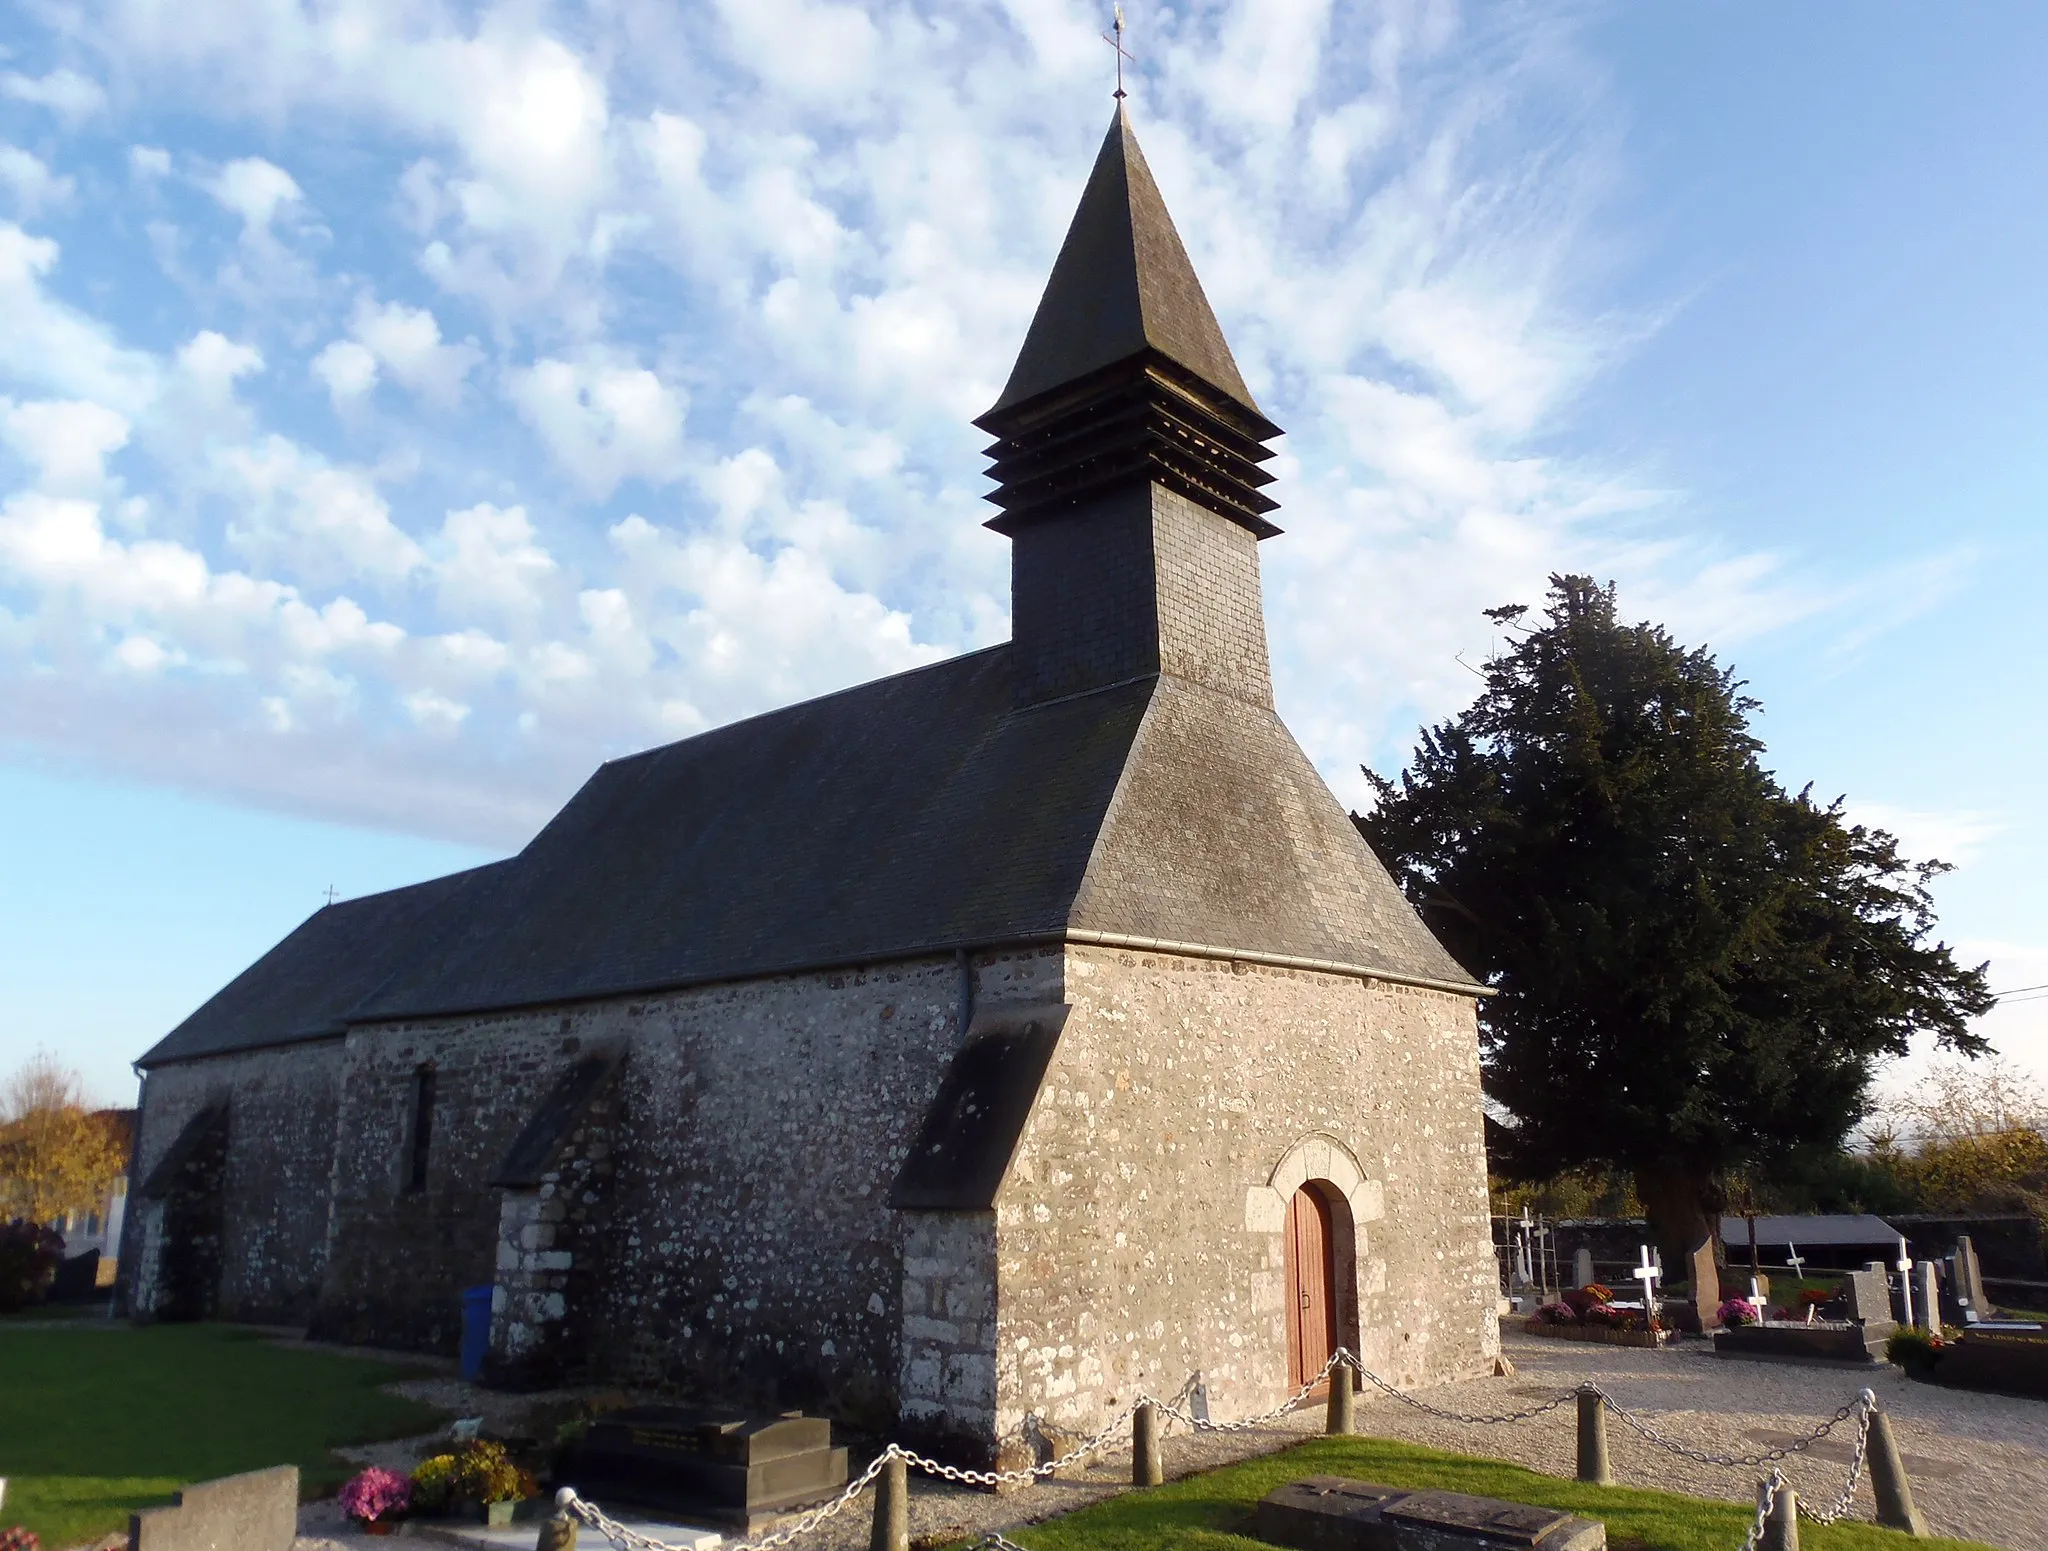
(498, 1515)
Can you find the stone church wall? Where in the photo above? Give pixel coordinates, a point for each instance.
(281, 1106)
(749, 1253)
(1138, 1238)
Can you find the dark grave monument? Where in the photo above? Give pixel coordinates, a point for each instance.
(709, 1466)
(1329, 1513)
(1851, 1328)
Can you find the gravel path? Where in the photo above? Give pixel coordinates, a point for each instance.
(1978, 1463)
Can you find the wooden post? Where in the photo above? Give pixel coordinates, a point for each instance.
(1337, 1423)
(892, 1507)
(1146, 1469)
(1895, 1507)
(1593, 1463)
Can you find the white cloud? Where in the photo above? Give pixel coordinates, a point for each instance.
(51, 346)
(255, 190)
(349, 371)
(71, 96)
(68, 441)
(31, 183)
(406, 341)
(148, 161)
(320, 523)
(1956, 836)
(605, 419)
(490, 560)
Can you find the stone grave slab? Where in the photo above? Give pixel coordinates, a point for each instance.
(708, 1465)
(1329, 1513)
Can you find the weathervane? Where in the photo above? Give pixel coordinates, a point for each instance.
(1117, 43)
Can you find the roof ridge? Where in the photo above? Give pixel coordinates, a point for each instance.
(798, 705)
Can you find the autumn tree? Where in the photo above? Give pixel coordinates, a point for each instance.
(1696, 971)
(56, 1154)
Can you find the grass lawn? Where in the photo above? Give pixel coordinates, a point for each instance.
(95, 1423)
(1201, 1512)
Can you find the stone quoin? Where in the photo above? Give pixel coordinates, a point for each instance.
(986, 1043)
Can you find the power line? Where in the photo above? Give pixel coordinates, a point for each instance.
(1999, 996)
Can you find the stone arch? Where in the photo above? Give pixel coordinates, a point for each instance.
(1314, 1157)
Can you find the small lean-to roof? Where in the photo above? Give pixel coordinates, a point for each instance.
(1122, 284)
(303, 988)
(1819, 1231)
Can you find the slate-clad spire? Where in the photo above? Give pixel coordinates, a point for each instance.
(1122, 284)
(1124, 372)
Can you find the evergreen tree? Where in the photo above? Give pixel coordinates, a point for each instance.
(1697, 971)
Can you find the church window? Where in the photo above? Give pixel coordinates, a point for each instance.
(420, 1130)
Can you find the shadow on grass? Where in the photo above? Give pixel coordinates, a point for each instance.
(100, 1422)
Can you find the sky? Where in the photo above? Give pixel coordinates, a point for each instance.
(406, 407)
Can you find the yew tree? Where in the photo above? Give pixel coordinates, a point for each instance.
(1697, 971)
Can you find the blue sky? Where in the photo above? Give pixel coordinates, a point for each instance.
(405, 407)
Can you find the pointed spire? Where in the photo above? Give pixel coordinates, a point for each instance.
(1122, 286)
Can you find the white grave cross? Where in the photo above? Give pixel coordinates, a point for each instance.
(1905, 1269)
(1647, 1274)
(1794, 1259)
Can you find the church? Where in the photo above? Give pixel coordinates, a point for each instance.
(959, 1054)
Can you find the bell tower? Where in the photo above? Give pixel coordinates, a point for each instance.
(1127, 460)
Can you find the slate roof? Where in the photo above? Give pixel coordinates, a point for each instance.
(1818, 1231)
(301, 989)
(1122, 284)
(914, 814)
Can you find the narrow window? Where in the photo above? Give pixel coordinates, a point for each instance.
(421, 1138)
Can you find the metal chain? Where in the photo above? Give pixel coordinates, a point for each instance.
(568, 1500)
(1244, 1424)
(1868, 1404)
(1766, 1499)
(1470, 1418)
(1738, 1461)
(1861, 1408)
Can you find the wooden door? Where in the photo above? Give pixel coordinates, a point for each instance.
(1312, 1287)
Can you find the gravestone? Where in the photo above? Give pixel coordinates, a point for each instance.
(1582, 1267)
(1969, 1278)
(709, 1465)
(1868, 1294)
(1927, 1299)
(1329, 1513)
(255, 1511)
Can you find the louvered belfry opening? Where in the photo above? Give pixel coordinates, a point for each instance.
(1128, 462)
(1145, 418)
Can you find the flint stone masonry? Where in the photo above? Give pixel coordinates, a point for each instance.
(273, 1182)
(747, 1250)
(256, 1511)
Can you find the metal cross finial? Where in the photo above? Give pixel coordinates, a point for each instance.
(1122, 54)
(332, 893)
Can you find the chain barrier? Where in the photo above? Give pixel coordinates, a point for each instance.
(1766, 1499)
(569, 1501)
(1867, 1405)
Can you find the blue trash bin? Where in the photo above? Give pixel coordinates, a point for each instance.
(476, 1331)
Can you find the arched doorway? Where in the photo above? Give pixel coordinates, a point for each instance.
(1311, 1241)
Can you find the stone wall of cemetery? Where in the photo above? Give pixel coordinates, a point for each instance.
(1139, 1233)
(281, 1108)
